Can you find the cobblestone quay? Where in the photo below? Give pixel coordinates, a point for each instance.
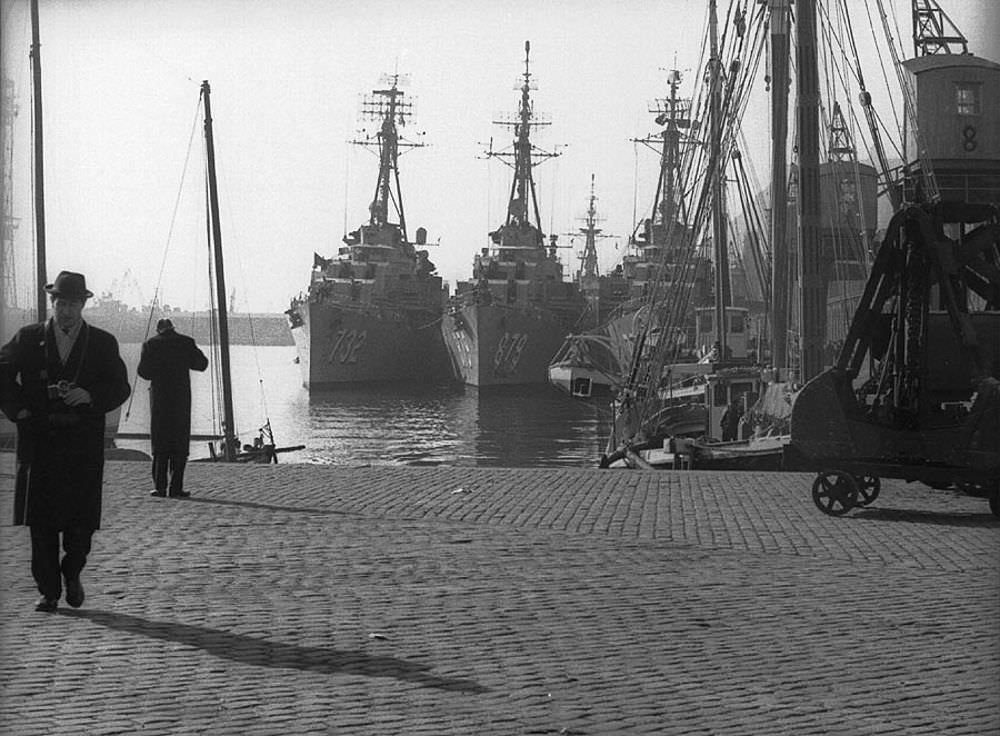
(298, 599)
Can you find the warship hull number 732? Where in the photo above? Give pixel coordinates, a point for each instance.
(372, 313)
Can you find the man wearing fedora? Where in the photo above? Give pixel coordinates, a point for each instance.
(57, 381)
(166, 362)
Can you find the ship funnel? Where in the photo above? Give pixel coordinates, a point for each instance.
(421, 236)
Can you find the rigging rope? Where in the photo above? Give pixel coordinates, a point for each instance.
(166, 246)
(931, 192)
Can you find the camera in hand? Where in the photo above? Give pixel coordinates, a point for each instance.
(59, 414)
(58, 391)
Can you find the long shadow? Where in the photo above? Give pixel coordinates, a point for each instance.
(263, 653)
(975, 521)
(266, 506)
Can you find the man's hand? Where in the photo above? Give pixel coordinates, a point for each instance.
(76, 396)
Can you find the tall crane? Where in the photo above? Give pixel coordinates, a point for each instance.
(934, 32)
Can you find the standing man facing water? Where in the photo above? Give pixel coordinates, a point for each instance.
(166, 361)
(57, 381)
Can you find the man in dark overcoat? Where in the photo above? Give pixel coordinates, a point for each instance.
(57, 381)
(730, 422)
(166, 362)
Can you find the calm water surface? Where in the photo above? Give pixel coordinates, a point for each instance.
(450, 425)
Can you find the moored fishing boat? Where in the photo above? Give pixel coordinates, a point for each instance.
(372, 313)
(649, 430)
(504, 325)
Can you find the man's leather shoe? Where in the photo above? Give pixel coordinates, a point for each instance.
(74, 592)
(47, 605)
(180, 494)
(159, 494)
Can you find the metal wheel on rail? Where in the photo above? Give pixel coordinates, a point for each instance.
(868, 488)
(835, 492)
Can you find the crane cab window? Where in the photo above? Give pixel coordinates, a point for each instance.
(967, 98)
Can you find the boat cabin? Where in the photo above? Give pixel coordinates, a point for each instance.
(737, 333)
(736, 387)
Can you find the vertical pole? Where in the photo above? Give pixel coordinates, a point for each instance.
(779, 184)
(229, 430)
(36, 76)
(722, 296)
(812, 277)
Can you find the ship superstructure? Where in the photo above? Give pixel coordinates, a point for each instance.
(372, 312)
(504, 325)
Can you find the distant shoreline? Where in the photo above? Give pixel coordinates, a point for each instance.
(134, 326)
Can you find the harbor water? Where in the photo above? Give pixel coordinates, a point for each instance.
(535, 426)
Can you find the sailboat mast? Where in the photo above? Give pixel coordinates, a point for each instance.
(722, 296)
(36, 76)
(779, 183)
(228, 429)
(813, 287)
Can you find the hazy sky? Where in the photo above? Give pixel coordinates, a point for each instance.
(121, 81)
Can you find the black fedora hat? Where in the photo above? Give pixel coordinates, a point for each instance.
(69, 285)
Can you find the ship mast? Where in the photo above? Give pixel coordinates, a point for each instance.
(811, 272)
(388, 106)
(524, 182)
(228, 428)
(779, 181)
(591, 231)
(519, 209)
(674, 118)
(673, 113)
(719, 237)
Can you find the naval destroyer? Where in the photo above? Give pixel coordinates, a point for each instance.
(372, 312)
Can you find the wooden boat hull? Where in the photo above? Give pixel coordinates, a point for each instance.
(756, 454)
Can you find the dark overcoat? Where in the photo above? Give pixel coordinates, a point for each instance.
(166, 361)
(60, 451)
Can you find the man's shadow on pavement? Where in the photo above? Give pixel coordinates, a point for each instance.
(263, 653)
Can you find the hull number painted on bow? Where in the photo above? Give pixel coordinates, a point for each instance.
(509, 351)
(347, 347)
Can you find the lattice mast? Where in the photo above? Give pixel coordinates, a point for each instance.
(934, 32)
(525, 155)
(588, 259)
(390, 109)
(841, 147)
(673, 113)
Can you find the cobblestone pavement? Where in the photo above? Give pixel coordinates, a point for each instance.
(299, 599)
